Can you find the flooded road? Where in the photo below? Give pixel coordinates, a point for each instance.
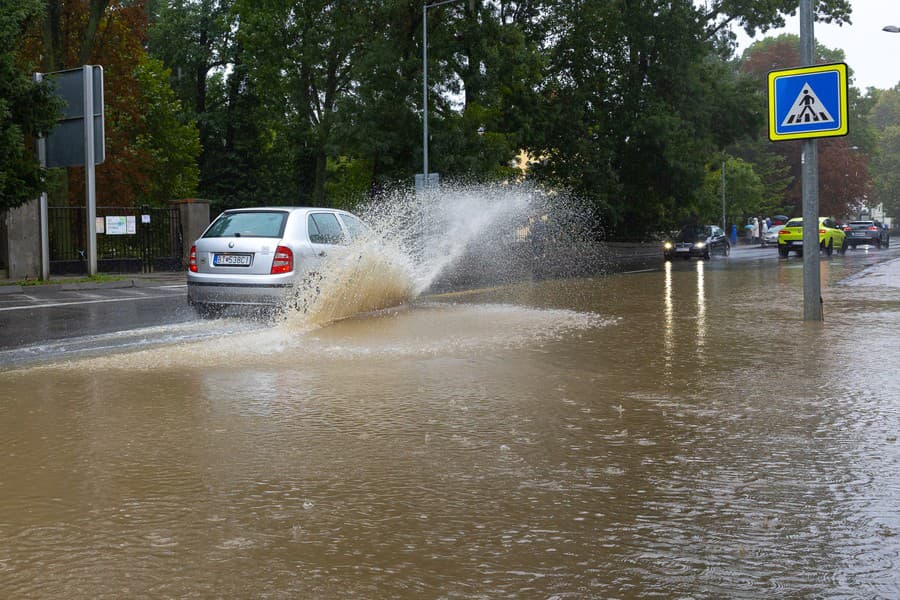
(667, 434)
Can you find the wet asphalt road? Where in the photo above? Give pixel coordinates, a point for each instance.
(49, 314)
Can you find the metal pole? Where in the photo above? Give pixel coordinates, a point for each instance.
(425, 95)
(724, 223)
(812, 284)
(44, 210)
(89, 179)
(425, 8)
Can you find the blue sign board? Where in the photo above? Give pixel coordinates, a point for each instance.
(808, 102)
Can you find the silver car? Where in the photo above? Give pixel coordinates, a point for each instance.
(258, 256)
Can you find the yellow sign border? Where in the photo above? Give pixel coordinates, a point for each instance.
(841, 70)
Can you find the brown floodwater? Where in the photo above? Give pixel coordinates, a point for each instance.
(667, 434)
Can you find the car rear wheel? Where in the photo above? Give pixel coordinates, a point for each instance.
(829, 249)
(783, 251)
(844, 247)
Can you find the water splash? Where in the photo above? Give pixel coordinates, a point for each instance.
(455, 237)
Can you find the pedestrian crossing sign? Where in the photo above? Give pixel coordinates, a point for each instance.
(808, 102)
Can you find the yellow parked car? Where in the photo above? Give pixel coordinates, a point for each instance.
(831, 237)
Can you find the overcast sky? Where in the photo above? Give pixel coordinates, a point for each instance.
(872, 54)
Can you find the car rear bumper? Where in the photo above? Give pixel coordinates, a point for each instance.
(854, 240)
(265, 290)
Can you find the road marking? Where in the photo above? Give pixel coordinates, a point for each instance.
(78, 302)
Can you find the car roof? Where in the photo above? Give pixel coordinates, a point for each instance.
(285, 208)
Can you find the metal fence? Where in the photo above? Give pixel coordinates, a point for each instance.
(129, 240)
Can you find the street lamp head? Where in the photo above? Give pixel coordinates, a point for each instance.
(891, 29)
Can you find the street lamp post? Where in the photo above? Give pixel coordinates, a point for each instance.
(724, 222)
(425, 8)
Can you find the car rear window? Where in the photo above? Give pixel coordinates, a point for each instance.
(795, 223)
(861, 224)
(268, 224)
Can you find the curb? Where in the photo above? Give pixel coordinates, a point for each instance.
(94, 285)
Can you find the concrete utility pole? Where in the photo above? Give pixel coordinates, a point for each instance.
(812, 283)
(724, 223)
(425, 8)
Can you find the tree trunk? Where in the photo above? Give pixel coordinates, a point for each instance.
(318, 198)
(96, 8)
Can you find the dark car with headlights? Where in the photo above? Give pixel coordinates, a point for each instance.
(700, 241)
(871, 233)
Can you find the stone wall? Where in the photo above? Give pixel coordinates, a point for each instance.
(194, 220)
(21, 241)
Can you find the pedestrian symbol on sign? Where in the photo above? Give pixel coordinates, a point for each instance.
(807, 109)
(808, 102)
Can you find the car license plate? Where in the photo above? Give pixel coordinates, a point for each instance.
(859, 234)
(797, 243)
(231, 260)
(682, 249)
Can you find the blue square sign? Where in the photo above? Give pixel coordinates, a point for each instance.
(808, 102)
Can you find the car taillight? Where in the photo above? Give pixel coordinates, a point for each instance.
(873, 229)
(847, 228)
(784, 232)
(192, 262)
(283, 261)
(821, 232)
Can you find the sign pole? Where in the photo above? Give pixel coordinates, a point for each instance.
(89, 173)
(724, 223)
(812, 284)
(44, 210)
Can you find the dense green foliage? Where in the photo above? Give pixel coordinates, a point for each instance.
(631, 105)
(26, 108)
(886, 163)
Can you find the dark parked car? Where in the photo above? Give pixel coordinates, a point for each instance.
(701, 241)
(872, 233)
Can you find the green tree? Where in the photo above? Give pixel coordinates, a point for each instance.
(744, 193)
(636, 104)
(172, 146)
(885, 166)
(27, 108)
